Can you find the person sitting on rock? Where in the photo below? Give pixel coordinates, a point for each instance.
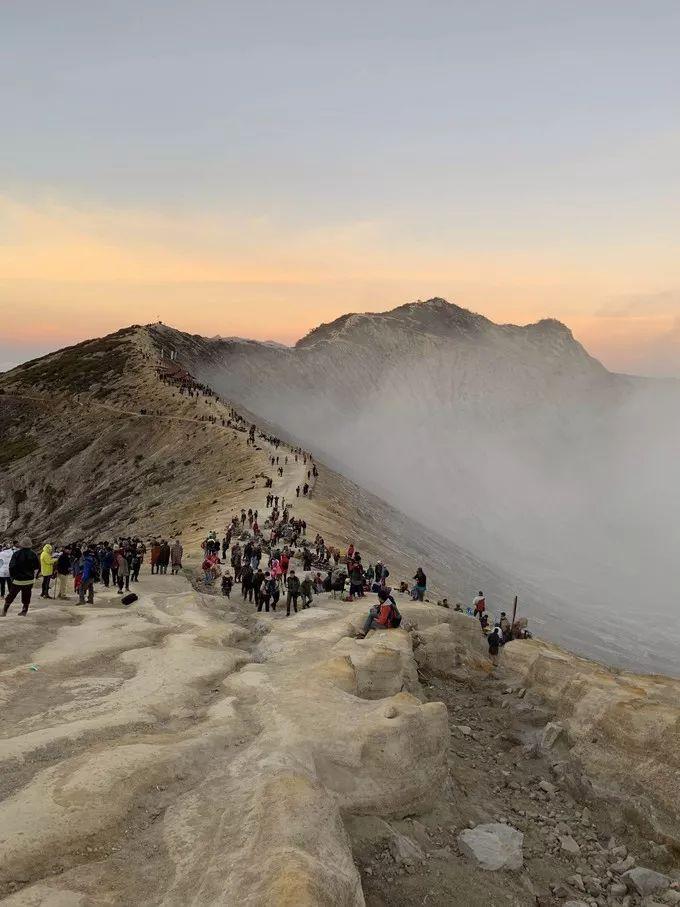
(382, 616)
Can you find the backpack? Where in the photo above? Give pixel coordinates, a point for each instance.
(128, 599)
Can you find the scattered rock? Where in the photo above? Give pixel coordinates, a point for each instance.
(549, 788)
(493, 846)
(569, 845)
(551, 733)
(623, 865)
(405, 851)
(464, 729)
(576, 881)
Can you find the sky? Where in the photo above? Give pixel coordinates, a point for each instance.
(256, 168)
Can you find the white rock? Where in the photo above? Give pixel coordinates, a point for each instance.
(493, 846)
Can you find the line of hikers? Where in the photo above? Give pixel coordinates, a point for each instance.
(80, 564)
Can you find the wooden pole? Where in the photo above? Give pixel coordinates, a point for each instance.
(514, 614)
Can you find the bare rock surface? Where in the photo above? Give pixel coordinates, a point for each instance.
(493, 846)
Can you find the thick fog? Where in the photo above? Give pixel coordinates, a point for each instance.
(573, 488)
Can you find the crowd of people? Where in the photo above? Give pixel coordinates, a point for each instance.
(78, 566)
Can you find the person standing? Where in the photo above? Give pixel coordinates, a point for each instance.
(22, 570)
(123, 571)
(164, 557)
(495, 641)
(356, 578)
(176, 553)
(106, 561)
(63, 573)
(293, 586)
(247, 583)
(421, 585)
(87, 578)
(258, 580)
(46, 570)
(6, 553)
(306, 589)
(155, 553)
(479, 604)
(136, 563)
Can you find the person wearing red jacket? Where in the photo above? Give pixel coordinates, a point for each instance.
(382, 616)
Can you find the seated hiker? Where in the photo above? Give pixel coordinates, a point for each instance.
(458, 607)
(383, 616)
(484, 621)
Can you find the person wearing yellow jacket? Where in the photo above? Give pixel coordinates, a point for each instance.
(47, 563)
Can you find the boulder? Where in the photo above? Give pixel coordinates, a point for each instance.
(494, 846)
(645, 881)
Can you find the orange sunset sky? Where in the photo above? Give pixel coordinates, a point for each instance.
(256, 169)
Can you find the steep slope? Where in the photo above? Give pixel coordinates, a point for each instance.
(511, 442)
(98, 440)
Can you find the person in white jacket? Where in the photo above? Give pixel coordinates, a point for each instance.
(6, 552)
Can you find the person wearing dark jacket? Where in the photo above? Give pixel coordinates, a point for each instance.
(164, 556)
(495, 641)
(87, 578)
(247, 583)
(63, 573)
(22, 570)
(421, 585)
(356, 579)
(107, 562)
(293, 587)
(258, 579)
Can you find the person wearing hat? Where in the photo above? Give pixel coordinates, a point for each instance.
(22, 570)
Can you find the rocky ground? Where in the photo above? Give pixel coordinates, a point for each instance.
(577, 848)
(190, 750)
